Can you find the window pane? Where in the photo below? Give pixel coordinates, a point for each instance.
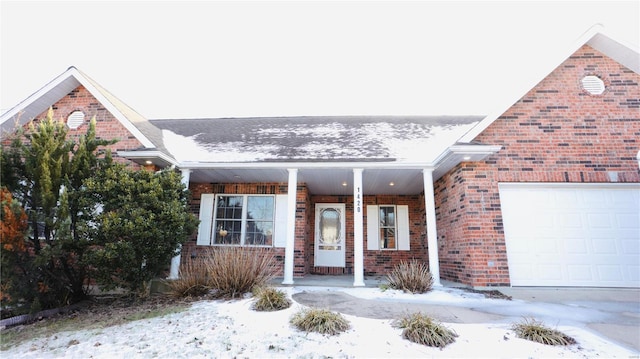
(228, 232)
(259, 233)
(387, 216)
(388, 238)
(260, 208)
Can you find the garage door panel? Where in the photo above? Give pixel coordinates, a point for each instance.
(572, 234)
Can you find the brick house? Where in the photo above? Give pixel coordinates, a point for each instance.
(545, 192)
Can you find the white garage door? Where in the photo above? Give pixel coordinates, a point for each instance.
(572, 234)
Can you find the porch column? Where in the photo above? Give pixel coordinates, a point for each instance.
(358, 237)
(175, 261)
(291, 225)
(432, 233)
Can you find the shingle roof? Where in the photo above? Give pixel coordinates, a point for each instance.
(317, 138)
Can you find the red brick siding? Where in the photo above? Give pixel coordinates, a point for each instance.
(557, 132)
(377, 262)
(107, 126)
(300, 262)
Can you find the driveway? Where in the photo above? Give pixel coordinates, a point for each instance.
(610, 313)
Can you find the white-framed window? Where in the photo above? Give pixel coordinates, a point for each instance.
(387, 219)
(388, 227)
(242, 220)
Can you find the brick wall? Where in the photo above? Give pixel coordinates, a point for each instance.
(557, 132)
(377, 262)
(300, 263)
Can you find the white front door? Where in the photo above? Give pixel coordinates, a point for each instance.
(330, 235)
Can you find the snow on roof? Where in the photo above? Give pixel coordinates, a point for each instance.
(404, 139)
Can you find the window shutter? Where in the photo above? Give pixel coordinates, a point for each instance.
(373, 225)
(207, 201)
(403, 228)
(280, 225)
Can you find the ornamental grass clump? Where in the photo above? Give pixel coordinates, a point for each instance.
(192, 281)
(535, 331)
(422, 329)
(270, 299)
(234, 271)
(321, 321)
(413, 277)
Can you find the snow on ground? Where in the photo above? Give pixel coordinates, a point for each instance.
(228, 329)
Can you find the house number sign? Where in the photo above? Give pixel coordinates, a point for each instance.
(358, 201)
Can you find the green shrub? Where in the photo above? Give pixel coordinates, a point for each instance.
(412, 277)
(535, 331)
(234, 271)
(422, 329)
(270, 299)
(193, 280)
(321, 321)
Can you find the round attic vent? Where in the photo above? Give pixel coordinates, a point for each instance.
(593, 84)
(75, 119)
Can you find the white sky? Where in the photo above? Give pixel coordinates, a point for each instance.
(233, 59)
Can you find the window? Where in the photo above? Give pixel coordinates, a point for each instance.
(387, 219)
(388, 227)
(243, 220)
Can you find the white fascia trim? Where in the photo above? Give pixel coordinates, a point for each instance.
(589, 37)
(303, 165)
(148, 154)
(469, 150)
(15, 110)
(113, 109)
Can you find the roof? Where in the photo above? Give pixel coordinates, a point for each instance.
(313, 139)
(597, 38)
(62, 85)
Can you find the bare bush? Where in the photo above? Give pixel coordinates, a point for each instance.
(193, 280)
(321, 321)
(422, 329)
(412, 277)
(270, 299)
(535, 331)
(234, 271)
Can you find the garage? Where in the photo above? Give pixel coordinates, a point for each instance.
(572, 234)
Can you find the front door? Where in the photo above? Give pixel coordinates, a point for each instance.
(330, 235)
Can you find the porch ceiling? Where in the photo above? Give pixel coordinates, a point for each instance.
(321, 181)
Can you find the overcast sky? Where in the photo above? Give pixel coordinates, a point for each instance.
(235, 59)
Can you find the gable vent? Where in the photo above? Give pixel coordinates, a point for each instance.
(75, 119)
(593, 85)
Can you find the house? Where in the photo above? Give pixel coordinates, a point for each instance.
(544, 192)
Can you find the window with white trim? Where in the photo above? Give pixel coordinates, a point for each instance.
(387, 219)
(388, 227)
(244, 220)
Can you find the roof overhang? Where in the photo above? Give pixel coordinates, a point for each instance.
(149, 157)
(336, 178)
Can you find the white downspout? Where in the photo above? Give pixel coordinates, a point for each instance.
(432, 233)
(291, 225)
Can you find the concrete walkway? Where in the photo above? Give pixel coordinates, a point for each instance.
(613, 313)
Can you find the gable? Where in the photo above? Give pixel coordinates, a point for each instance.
(596, 39)
(63, 86)
(560, 132)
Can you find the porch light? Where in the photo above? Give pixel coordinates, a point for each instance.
(466, 158)
(149, 162)
(391, 184)
(344, 184)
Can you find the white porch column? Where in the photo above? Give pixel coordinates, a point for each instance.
(432, 233)
(291, 225)
(175, 261)
(358, 228)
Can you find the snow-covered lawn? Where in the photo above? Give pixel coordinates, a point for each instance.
(228, 329)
